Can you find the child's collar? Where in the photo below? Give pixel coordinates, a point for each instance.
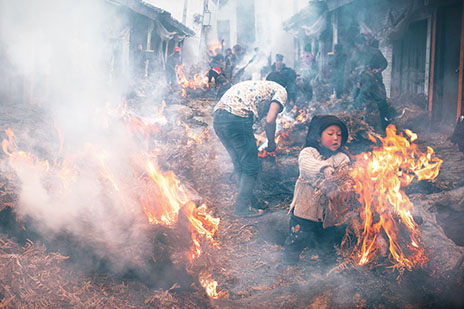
(326, 152)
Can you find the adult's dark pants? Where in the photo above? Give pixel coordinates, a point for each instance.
(236, 134)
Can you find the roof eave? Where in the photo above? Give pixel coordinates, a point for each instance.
(154, 13)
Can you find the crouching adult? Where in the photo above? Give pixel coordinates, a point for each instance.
(234, 115)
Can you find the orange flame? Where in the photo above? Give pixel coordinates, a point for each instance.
(10, 143)
(264, 154)
(202, 224)
(160, 193)
(303, 116)
(193, 137)
(11, 149)
(160, 112)
(210, 285)
(213, 46)
(167, 198)
(379, 176)
(60, 136)
(200, 80)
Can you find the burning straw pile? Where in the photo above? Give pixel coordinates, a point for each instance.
(121, 207)
(385, 217)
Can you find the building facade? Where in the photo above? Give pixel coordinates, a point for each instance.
(423, 41)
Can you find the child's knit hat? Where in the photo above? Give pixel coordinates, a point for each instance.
(321, 122)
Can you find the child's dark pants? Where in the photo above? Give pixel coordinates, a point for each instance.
(307, 233)
(302, 233)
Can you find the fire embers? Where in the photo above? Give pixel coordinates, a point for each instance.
(264, 154)
(386, 212)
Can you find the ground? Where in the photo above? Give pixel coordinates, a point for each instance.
(248, 263)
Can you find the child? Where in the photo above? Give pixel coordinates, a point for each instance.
(321, 156)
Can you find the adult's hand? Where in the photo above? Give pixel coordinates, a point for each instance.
(270, 127)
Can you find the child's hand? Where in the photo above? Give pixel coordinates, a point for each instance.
(328, 171)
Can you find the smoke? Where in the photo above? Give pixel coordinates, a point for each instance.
(62, 44)
(64, 47)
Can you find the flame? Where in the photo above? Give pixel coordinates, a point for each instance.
(160, 112)
(106, 172)
(213, 46)
(60, 136)
(140, 126)
(193, 137)
(199, 80)
(202, 224)
(165, 196)
(379, 177)
(10, 143)
(264, 154)
(210, 285)
(11, 149)
(160, 194)
(181, 77)
(172, 197)
(303, 115)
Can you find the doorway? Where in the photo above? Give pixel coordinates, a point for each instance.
(445, 88)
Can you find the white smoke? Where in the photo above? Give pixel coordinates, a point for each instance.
(64, 47)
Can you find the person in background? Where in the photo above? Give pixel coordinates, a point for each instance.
(216, 65)
(457, 138)
(305, 93)
(139, 62)
(307, 63)
(337, 60)
(217, 60)
(173, 60)
(292, 87)
(230, 61)
(218, 81)
(299, 90)
(266, 69)
(369, 94)
(320, 157)
(239, 52)
(279, 64)
(234, 115)
(367, 56)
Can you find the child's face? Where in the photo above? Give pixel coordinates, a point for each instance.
(331, 137)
